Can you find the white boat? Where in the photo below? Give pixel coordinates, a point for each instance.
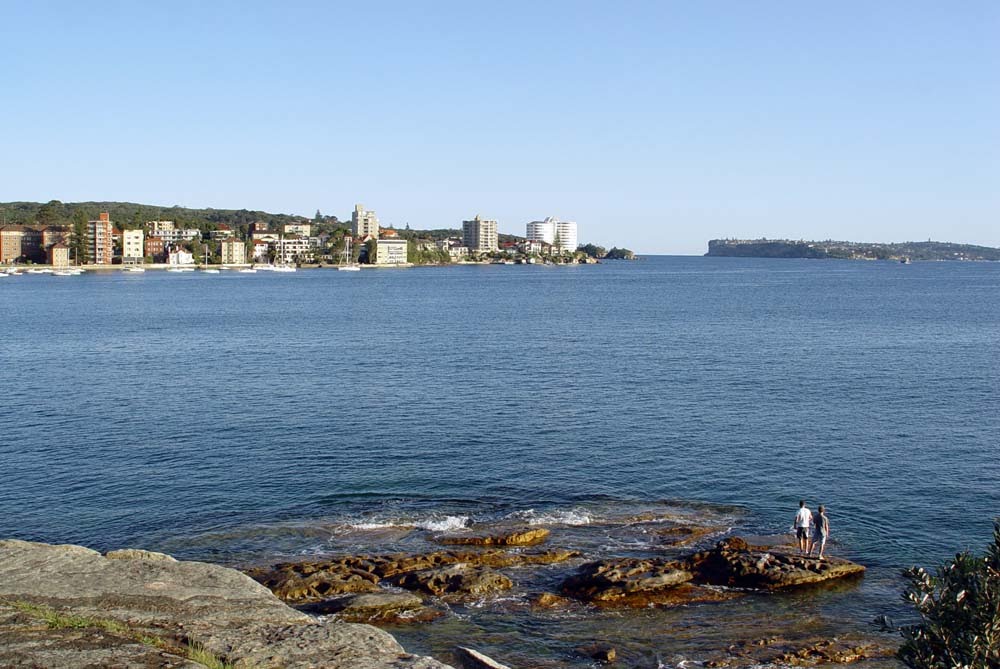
(345, 264)
(282, 268)
(63, 272)
(134, 270)
(247, 270)
(209, 270)
(3, 274)
(181, 269)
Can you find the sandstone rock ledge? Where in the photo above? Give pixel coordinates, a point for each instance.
(733, 563)
(70, 606)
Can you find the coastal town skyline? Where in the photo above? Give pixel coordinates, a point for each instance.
(661, 126)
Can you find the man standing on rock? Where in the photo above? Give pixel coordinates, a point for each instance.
(822, 531)
(803, 526)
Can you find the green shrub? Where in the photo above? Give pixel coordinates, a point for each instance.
(959, 608)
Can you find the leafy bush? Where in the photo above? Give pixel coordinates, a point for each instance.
(959, 607)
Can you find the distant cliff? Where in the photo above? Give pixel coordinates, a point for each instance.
(786, 248)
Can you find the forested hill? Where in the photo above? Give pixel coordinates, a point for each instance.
(785, 248)
(129, 215)
(132, 215)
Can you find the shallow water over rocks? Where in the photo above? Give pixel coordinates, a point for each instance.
(651, 581)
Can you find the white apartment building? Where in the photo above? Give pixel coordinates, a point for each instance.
(222, 232)
(562, 235)
(174, 235)
(233, 252)
(363, 223)
(159, 226)
(391, 251)
(304, 229)
(132, 246)
(290, 250)
(480, 235)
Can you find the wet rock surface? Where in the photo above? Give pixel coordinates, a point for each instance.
(803, 652)
(628, 581)
(633, 582)
(735, 563)
(525, 536)
(69, 606)
(456, 573)
(455, 580)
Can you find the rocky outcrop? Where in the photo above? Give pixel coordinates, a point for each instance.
(736, 563)
(317, 581)
(634, 582)
(626, 581)
(457, 580)
(525, 536)
(69, 606)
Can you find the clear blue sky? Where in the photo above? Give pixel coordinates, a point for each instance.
(655, 125)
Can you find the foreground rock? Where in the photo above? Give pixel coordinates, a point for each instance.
(69, 606)
(378, 607)
(454, 573)
(634, 582)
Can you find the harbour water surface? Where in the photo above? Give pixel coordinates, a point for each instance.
(253, 418)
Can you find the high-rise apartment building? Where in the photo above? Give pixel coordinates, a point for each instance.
(560, 234)
(100, 243)
(363, 223)
(480, 235)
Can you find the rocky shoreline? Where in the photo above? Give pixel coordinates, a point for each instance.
(143, 609)
(70, 606)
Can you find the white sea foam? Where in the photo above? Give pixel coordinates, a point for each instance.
(433, 524)
(443, 524)
(565, 517)
(373, 526)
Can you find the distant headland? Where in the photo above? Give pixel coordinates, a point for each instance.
(902, 251)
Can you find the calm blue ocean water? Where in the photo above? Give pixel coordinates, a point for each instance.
(206, 414)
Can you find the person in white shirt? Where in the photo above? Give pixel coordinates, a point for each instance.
(802, 527)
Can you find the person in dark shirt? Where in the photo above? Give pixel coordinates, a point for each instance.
(821, 531)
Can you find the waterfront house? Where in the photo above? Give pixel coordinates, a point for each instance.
(179, 256)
